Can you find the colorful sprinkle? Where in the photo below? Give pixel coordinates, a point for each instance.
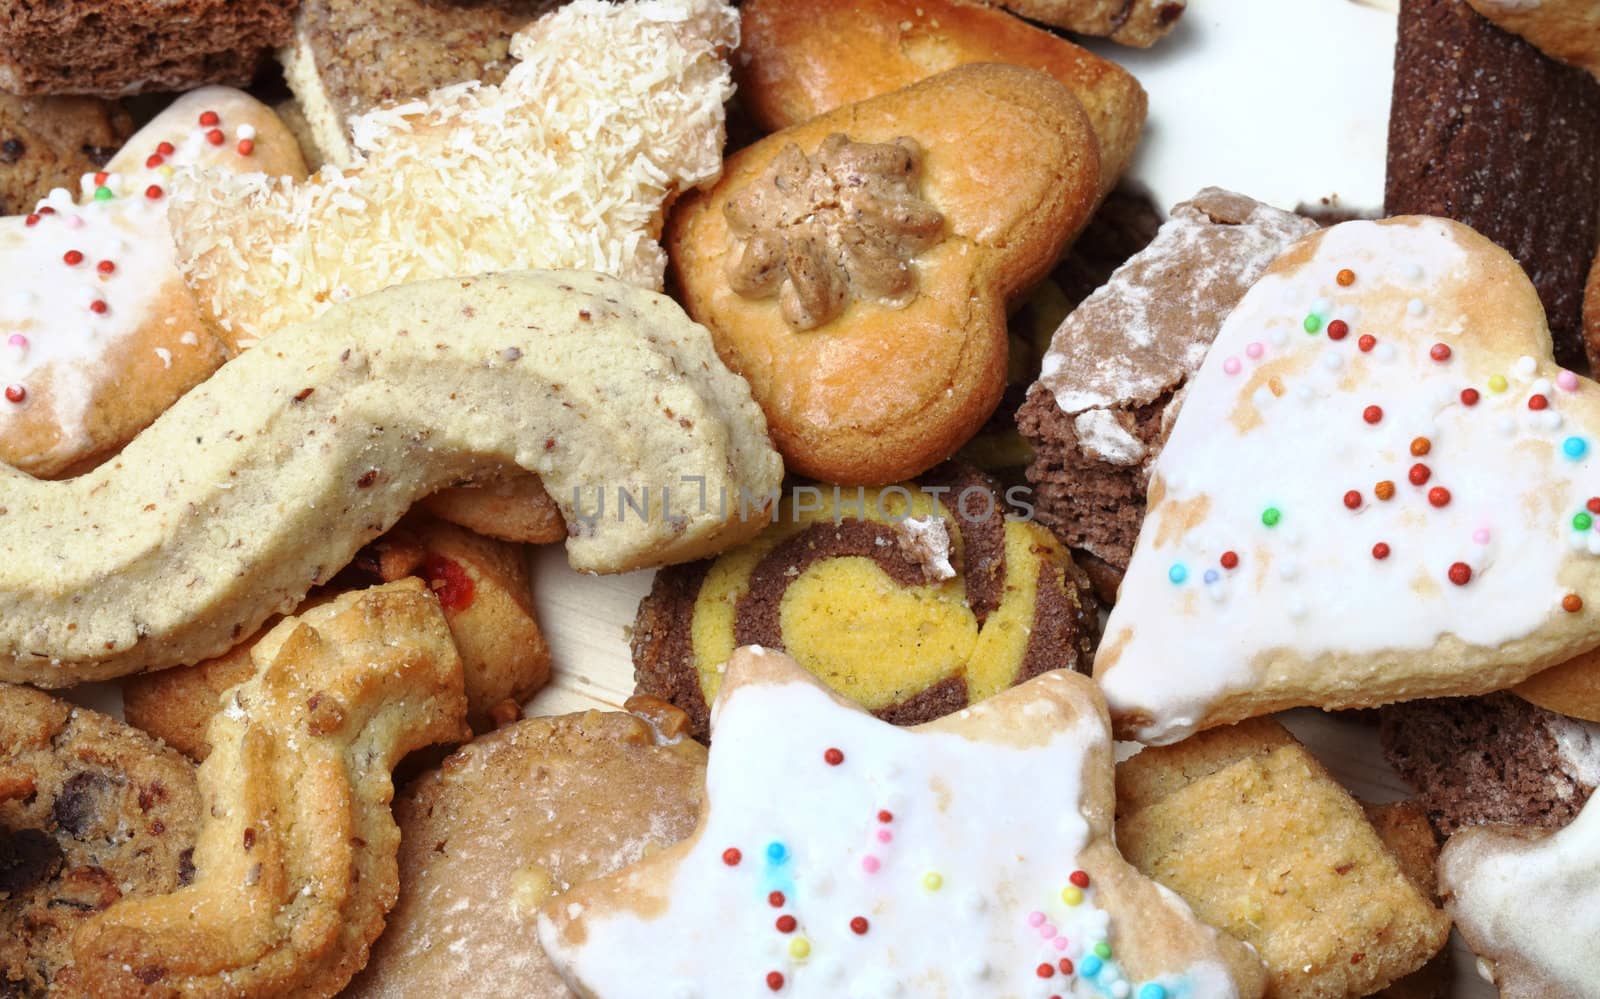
(1572, 603)
(1497, 383)
(1045, 970)
(1090, 966)
(833, 757)
(1178, 573)
(1072, 895)
(1439, 352)
(1271, 515)
(1593, 506)
(103, 193)
(153, 160)
(1048, 930)
(1460, 573)
(1065, 964)
(731, 856)
(775, 980)
(777, 853)
(166, 149)
(1367, 342)
(1574, 447)
(105, 267)
(1469, 397)
(1582, 522)
(1352, 500)
(1254, 350)
(1211, 576)
(246, 147)
(209, 119)
(858, 925)
(1338, 329)
(1230, 559)
(1231, 366)
(1419, 474)
(1152, 991)
(1312, 323)
(871, 864)
(885, 816)
(1420, 446)
(1480, 536)
(786, 923)
(1079, 878)
(153, 192)
(72, 258)
(1439, 496)
(98, 307)
(885, 835)
(1036, 919)
(1537, 402)
(16, 394)
(1567, 381)
(215, 137)
(799, 948)
(31, 220)
(1384, 490)
(1380, 551)
(776, 899)
(933, 881)
(1372, 414)
(1102, 950)
(1345, 277)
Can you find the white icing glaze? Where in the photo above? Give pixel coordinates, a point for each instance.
(1101, 436)
(1000, 826)
(1310, 584)
(1305, 84)
(1579, 743)
(1500, 895)
(927, 541)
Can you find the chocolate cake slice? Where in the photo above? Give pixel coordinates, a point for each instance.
(1492, 759)
(1111, 381)
(1487, 130)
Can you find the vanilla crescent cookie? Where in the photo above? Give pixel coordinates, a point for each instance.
(98, 333)
(838, 855)
(1379, 488)
(267, 479)
(566, 164)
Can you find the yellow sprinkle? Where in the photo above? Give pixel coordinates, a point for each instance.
(932, 881)
(1497, 383)
(799, 948)
(1072, 895)
(166, 171)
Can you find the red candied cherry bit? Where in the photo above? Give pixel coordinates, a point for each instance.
(1230, 560)
(154, 160)
(1346, 277)
(1419, 474)
(885, 816)
(209, 119)
(1469, 397)
(731, 856)
(215, 137)
(31, 220)
(72, 258)
(1460, 573)
(1372, 414)
(1537, 402)
(16, 393)
(1593, 506)
(246, 147)
(1352, 499)
(858, 925)
(1079, 879)
(775, 980)
(105, 267)
(98, 307)
(1439, 496)
(833, 757)
(153, 192)
(1367, 342)
(776, 900)
(786, 924)
(1380, 551)
(1338, 329)
(1045, 970)
(166, 149)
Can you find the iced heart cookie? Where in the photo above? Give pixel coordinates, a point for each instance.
(1379, 488)
(567, 164)
(100, 335)
(839, 855)
(914, 601)
(295, 862)
(856, 268)
(269, 477)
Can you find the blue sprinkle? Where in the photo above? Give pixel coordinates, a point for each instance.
(1152, 991)
(1212, 575)
(1177, 573)
(776, 852)
(1575, 447)
(1089, 966)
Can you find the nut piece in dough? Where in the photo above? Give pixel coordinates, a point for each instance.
(295, 863)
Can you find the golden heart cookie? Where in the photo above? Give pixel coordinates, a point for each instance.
(856, 269)
(838, 855)
(1380, 487)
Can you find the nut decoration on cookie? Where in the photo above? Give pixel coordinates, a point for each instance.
(913, 600)
(838, 855)
(295, 862)
(610, 110)
(1379, 488)
(269, 477)
(98, 333)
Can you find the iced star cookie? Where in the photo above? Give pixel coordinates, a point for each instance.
(1379, 488)
(840, 856)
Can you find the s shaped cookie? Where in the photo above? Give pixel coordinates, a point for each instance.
(296, 861)
(270, 476)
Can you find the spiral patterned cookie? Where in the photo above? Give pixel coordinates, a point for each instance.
(914, 600)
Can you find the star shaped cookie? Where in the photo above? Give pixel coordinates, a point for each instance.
(838, 855)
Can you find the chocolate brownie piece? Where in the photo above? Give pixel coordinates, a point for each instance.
(1105, 399)
(116, 47)
(1487, 130)
(49, 142)
(1492, 759)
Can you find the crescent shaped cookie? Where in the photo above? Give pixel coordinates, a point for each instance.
(838, 855)
(857, 268)
(1379, 488)
(270, 476)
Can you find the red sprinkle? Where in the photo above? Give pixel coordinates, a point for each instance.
(1440, 352)
(1338, 329)
(15, 393)
(105, 267)
(1594, 504)
(101, 178)
(155, 160)
(1384, 490)
(1537, 402)
(1380, 551)
(72, 258)
(1372, 414)
(1066, 965)
(1469, 397)
(1367, 342)
(1460, 573)
(858, 925)
(153, 192)
(775, 980)
(1079, 879)
(776, 900)
(731, 856)
(98, 307)
(1346, 277)
(47, 210)
(1419, 474)
(1439, 496)
(786, 924)
(166, 149)
(32, 220)
(1352, 499)
(1572, 603)
(1045, 970)
(246, 147)
(833, 757)
(215, 137)
(209, 119)
(885, 816)
(1230, 560)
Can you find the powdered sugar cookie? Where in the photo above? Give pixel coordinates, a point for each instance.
(840, 856)
(1379, 488)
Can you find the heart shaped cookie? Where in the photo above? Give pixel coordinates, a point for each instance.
(1380, 487)
(840, 856)
(856, 268)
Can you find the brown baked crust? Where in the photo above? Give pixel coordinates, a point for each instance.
(845, 402)
(115, 47)
(1568, 30)
(91, 811)
(513, 508)
(1487, 130)
(1139, 23)
(799, 60)
(1591, 315)
(49, 142)
(512, 820)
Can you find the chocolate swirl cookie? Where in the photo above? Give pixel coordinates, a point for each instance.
(914, 600)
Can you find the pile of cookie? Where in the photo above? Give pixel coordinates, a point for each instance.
(994, 508)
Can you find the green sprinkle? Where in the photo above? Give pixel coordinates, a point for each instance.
(1102, 950)
(1582, 522)
(1313, 323)
(103, 193)
(1270, 516)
